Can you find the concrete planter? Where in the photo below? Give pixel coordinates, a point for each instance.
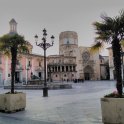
(112, 110)
(12, 102)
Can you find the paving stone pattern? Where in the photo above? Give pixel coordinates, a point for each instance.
(79, 105)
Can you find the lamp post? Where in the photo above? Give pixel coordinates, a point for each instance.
(44, 45)
(27, 70)
(122, 54)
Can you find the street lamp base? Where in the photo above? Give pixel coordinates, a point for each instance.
(45, 92)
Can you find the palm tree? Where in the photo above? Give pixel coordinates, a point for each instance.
(11, 45)
(111, 31)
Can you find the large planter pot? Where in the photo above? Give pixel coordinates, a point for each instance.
(12, 102)
(112, 110)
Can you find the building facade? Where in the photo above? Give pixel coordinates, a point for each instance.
(111, 65)
(61, 68)
(72, 63)
(29, 66)
(77, 62)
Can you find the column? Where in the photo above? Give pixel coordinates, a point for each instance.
(60, 68)
(54, 69)
(68, 68)
(26, 75)
(64, 68)
(51, 69)
(6, 69)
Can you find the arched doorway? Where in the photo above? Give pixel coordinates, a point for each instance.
(88, 72)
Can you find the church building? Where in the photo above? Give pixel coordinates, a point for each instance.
(76, 62)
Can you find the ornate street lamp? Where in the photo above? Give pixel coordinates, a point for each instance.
(122, 55)
(44, 45)
(27, 68)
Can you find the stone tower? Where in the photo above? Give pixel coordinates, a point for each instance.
(13, 26)
(68, 43)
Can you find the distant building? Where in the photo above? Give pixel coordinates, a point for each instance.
(75, 62)
(104, 67)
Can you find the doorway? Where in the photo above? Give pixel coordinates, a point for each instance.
(40, 75)
(88, 72)
(17, 77)
(87, 76)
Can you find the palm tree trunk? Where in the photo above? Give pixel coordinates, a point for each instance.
(117, 64)
(13, 67)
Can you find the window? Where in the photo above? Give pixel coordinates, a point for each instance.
(60, 61)
(56, 75)
(29, 63)
(55, 69)
(86, 56)
(0, 59)
(40, 64)
(39, 74)
(66, 68)
(62, 68)
(74, 68)
(70, 61)
(17, 62)
(67, 41)
(65, 75)
(59, 69)
(31, 73)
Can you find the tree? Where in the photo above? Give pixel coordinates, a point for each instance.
(111, 31)
(12, 45)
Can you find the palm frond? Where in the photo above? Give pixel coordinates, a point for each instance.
(122, 43)
(97, 47)
(7, 53)
(111, 30)
(103, 31)
(23, 49)
(9, 41)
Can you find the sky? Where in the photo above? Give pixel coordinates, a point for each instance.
(56, 16)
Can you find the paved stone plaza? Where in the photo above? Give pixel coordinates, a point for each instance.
(80, 105)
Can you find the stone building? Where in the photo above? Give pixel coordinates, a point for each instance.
(111, 65)
(61, 68)
(104, 67)
(75, 62)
